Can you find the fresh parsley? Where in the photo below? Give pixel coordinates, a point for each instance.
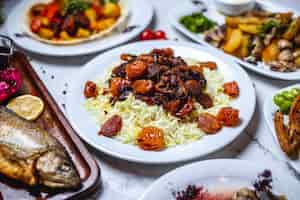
(74, 6)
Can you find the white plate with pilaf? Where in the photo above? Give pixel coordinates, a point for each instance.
(86, 118)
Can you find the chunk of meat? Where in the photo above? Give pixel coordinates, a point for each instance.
(231, 89)
(112, 126)
(90, 89)
(127, 57)
(136, 69)
(194, 87)
(228, 116)
(117, 85)
(209, 123)
(151, 138)
(205, 101)
(142, 86)
(167, 52)
(172, 106)
(210, 65)
(69, 25)
(186, 109)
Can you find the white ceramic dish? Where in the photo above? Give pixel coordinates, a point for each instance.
(224, 174)
(269, 110)
(234, 7)
(140, 15)
(85, 126)
(178, 11)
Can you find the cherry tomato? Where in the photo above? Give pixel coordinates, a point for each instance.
(147, 35)
(160, 35)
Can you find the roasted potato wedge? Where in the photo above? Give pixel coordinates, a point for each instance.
(234, 41)
(271, 52)
(292, 30)
(284, 18)
(244, 49)
(235, 21)
(250, 28)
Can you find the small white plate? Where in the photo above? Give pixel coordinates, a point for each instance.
(218, 175)
(86, 127)
(188, 8)
(269, 111)
(140, 15)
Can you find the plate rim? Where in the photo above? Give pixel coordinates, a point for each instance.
(86, 51)
(287, 76)
(154, 161)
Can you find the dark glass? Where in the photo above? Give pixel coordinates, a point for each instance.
(6, 51)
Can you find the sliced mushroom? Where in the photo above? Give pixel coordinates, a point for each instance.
(258, 47)
(269, 37)
(297, 40)
(284, 44)
(296, 53)
(285, 55)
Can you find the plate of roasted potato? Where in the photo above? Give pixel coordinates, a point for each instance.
(265, 39)
(76, 27)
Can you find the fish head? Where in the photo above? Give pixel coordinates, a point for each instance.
(57, 171)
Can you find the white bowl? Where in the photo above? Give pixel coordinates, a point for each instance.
(234, 7)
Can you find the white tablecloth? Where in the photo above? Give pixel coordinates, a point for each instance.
(127, 181)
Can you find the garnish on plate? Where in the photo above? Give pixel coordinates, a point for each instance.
(197, 22)
(10, 83)
(27, 106)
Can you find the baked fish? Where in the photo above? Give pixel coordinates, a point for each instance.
(30, 155)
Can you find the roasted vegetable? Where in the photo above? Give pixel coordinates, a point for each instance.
(234, 42)
(271, 52)
(250, 28)
(111, 10)
(244, 50)
(234, 22)
(292, 30)
(197, 22)
(267, 27)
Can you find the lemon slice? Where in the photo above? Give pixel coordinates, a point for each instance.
(27, 106)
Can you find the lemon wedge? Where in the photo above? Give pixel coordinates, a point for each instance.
(27, 106)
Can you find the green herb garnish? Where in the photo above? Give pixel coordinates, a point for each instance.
(267, 27)
(75, 6)
(197, 22)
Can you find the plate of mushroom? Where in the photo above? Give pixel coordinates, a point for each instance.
(265, 39)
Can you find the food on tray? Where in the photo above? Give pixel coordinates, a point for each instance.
(10, 83)
(197, 22)
(158, 100)
(73, 21)
(149, 34)
(288, 134)
(27, 106)
(261, 36)
(32, 156)
(261, 190)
